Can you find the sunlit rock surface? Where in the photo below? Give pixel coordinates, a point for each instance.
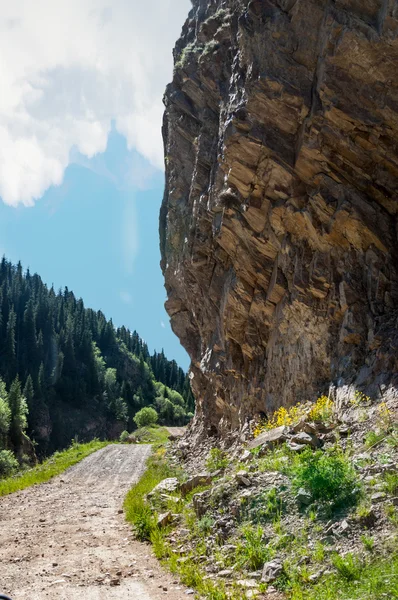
(279, 221)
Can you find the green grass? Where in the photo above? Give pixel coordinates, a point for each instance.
(252, 552)
(137, 510)
(56, 464)
(372, 438)
(276, 460)
(376, 580)
(262, 507)
(152, 435)
(391, 483)
(368, 542)
(217, 459)
(349, 567)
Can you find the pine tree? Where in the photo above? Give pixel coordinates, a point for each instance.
(29, 392)
(19, 412)
(29, 335)
(11, 356)
(5, 416)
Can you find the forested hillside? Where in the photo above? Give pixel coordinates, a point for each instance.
(68, 372)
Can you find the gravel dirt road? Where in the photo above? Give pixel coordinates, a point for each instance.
(68, 540)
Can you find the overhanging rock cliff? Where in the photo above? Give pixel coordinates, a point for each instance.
(279, 221)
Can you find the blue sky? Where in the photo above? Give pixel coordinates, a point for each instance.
(81, 154)
(97, 233)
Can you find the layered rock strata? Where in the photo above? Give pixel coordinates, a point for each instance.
(279, 220)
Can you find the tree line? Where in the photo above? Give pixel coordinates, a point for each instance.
(69, 372)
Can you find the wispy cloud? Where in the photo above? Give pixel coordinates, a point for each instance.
(70, 68)
(162, 325)
(129, 171)
(126, 297)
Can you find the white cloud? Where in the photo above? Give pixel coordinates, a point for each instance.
(163, 326)
(70, 67)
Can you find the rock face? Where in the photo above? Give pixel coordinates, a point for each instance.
(279, 220)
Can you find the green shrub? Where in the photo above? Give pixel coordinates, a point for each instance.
(217, 459)
(368, 542)
(252, 553)
(124, 436)
(146, 417)
(372, 438)
(277, 460)
(210, 47)
(8, 463)
(159, 544)
(186, 55)
(263, 507)
(363, 511)
(328, 476)
(205, 524)
(391, 483)
(144, 522)
(319, 552)
(349, 567)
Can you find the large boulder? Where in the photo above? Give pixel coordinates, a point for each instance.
(270, 437)
(169, 485)
(278, 224)
(272, 570)
(307, 439)
(197, 480)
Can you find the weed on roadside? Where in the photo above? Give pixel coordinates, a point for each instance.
(217, 459)
(368, 542)
(137, 510)
(391, 483)
(349, 567)
(252, 551)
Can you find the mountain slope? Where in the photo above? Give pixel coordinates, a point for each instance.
(79, 375)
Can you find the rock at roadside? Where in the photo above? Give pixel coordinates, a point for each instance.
(246, 456)
(271, 437)
(378, 497)
(272, 570)
(303, 497)
(309, 439)
(242, 478)
(164, 519)
(171, 484)
(200, 503)
(194, 482)
(303, 425)
(296, 447)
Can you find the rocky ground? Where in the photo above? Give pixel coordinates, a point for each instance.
(68, 538)
(241, 518)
